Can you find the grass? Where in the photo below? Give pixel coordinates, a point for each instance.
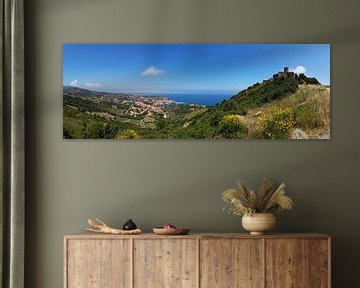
(310, 105)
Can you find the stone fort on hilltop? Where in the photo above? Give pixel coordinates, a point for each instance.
(285, 73)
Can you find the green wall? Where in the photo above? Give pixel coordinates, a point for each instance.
(154, 182)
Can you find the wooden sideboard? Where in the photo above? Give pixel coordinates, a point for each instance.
(197, 260)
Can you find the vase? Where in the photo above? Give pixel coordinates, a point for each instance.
(259, 223)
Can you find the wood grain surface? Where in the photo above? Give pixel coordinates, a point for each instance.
(287, 263)
(88, 235)
(98, 263)
(320, 263)
(197, 260)
(231, 263)
(165, 263)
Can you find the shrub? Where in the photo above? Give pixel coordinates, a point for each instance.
(231, 106)
(277, 123)
(231, 126)
(307, 80)
(127, 134)
(94, 129)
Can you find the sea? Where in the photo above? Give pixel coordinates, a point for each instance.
(185, 98)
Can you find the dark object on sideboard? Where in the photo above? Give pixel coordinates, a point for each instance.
(129, 225)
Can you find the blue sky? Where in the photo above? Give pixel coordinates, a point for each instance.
(187, 68)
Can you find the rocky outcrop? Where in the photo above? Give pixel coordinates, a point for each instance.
(299, 134)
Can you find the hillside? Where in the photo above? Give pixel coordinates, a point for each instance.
(308, 110)
(267, 91)
(281, 107)
(76, 91)
(229, 119)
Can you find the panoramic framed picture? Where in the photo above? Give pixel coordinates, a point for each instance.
(196, 91)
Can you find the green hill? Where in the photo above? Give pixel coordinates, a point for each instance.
(76, 91)
(216, 122)
(269, 90)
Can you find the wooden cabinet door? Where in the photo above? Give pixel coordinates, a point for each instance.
(297, 263)
(320, 263)
(165, 263)
(231, 263)
(98, 263)
(287, 263)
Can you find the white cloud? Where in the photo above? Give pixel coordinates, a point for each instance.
(152, 71)
(299, 69)
(90, 85)
(74, 83)
(93, 85)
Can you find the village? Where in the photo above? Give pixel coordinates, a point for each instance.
(147, 106)
(134, 105)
